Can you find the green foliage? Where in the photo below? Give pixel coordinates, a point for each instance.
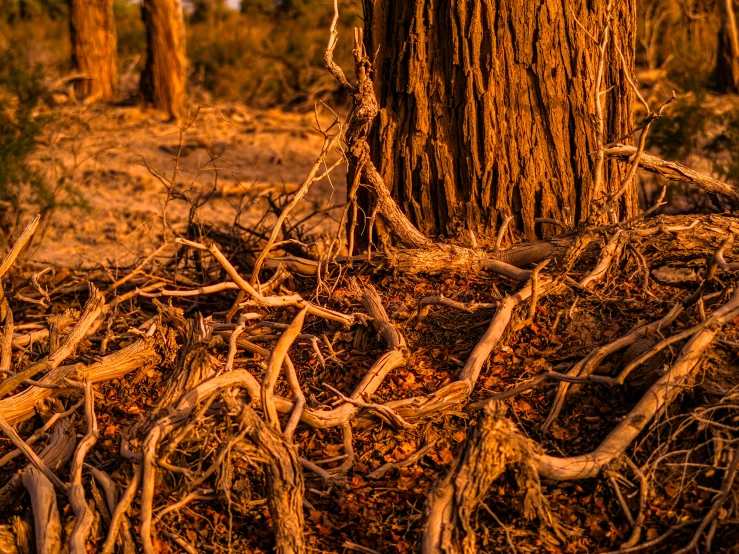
(683, 130)
(723, 147)
(20, 128)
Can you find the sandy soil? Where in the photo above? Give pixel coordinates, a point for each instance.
(120, 159)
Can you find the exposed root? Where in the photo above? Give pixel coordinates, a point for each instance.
(83, 514)
(662, 393)
(45, 512)
(492, 446)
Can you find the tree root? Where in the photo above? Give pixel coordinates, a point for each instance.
(662, 393)
(83, 513)
(492, 446)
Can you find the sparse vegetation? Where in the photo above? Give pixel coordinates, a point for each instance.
(21, 127)
(438, 303)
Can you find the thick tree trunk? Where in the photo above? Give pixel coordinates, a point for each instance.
(488, 109)
(163, 79)
(92, 30)
(727, 63)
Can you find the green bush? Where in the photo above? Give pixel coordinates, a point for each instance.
(271, 54)
(21, 91)
(24, 183)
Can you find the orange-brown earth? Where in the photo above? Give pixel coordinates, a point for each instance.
(119, 161)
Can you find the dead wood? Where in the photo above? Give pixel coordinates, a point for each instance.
(662, 393)
(492, 446)
(83, 513)
(125, 539)
(143, 353)
(676, 172)
(93, 309)
(46, 514)
(284, 483)
(209, 404)
(56, 453)
(119, 516)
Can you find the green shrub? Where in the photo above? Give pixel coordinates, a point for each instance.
(24, 184)
(683, 130)
(20, 128)
(271, 54)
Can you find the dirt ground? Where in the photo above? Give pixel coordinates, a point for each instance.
(118, 162)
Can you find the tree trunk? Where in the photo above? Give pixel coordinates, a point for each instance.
(92, 30)
(163, 79)
(727, 63)
(488, 109)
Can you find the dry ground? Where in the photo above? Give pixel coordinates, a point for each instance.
(120, 161)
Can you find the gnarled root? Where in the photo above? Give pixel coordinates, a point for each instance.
(492, 445)
(55, 454)
(284, 483)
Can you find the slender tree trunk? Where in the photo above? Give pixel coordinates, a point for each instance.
(488, 109)
(163, 79)
(727, 63)
(92, 30)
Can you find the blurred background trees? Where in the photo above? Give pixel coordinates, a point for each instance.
(162, 83)
(94, 48)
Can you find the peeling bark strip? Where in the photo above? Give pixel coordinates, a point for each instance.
(488, 109)
(163, 79)
(47, 523)
(94, 43)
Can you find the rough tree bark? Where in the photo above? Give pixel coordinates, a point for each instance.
(488, 109)
(727, 61)
(93, 35)
(163, 79)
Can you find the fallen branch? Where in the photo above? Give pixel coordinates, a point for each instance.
(675, 172)
(56, 453)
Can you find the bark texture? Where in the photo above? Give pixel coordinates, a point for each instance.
(163, 79)
(94, 43)
(727, 62)
(488, 109)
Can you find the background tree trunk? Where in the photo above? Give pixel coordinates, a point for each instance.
(488, 109)
(727, 62)
(92, 30)
(163, 79)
